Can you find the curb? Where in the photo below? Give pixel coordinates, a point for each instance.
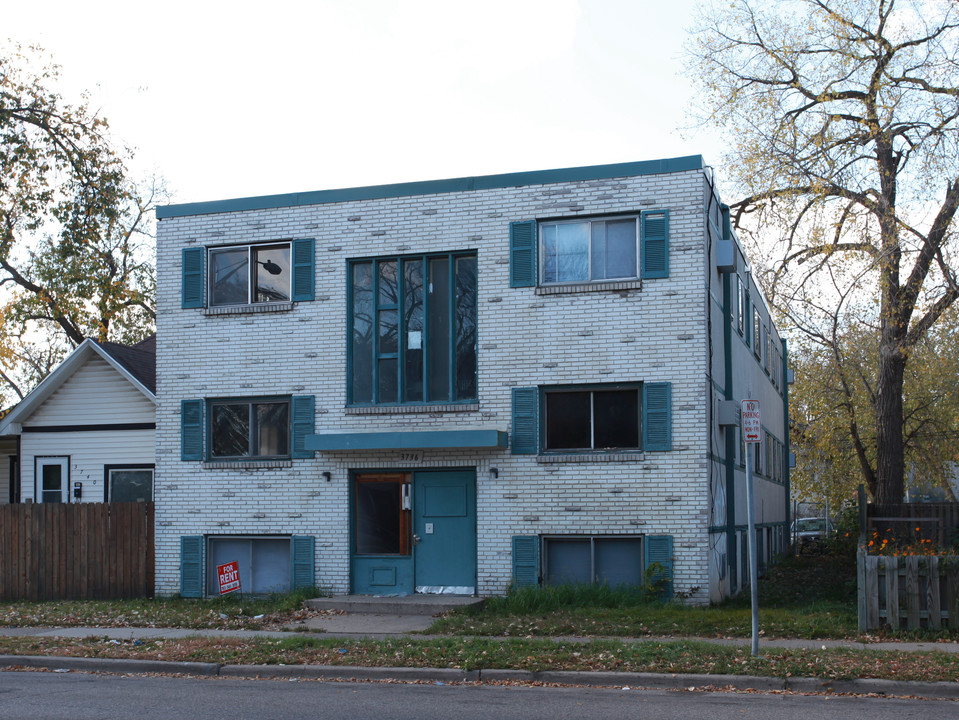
(939, 690)
(108, 665)
(351, 672)
(630, 680)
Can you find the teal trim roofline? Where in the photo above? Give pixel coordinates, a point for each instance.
(399, 440)
(431, 187)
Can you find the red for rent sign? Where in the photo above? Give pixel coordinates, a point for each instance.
(229, 576)
(752, 422)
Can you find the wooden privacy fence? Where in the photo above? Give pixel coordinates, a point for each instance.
(909, 522)
(908, 591)
(53, 551)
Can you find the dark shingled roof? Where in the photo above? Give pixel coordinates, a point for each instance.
(139, 360)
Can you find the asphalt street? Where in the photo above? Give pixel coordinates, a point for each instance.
(47, 695)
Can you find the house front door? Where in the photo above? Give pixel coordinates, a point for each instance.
(53, 481)
(414, 532)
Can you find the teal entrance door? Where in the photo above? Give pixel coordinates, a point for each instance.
(444, 532)
(414, 532)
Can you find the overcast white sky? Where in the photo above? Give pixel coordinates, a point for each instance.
(234, 99)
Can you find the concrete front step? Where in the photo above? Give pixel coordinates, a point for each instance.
(399, 605)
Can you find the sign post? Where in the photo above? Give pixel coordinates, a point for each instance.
(752, 434)
(229, 577)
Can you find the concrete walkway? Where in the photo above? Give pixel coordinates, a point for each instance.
(354, 625)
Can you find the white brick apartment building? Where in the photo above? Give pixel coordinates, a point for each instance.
(448, 386)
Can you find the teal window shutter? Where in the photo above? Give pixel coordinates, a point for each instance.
(191, 566)
(522, 254)
(659, 549)
(192, 291)
(657, 435)
(302, 412)
(304, 269)
(655, 228)
(525, 438)
(301, 551)
(191, 429)
(525, 561)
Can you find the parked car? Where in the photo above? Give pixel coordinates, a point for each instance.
(810, 531)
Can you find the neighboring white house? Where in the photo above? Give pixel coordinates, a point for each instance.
(87, 432)
(450, 386)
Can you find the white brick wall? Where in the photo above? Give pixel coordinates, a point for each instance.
(653, 333)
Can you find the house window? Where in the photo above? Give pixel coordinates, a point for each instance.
(767, 346)
(587, 560)
(129, 483)
(248, 274)
(241, 429)
(589, 250)
(264, 563)
(740, 306)
(592, 419)
(413, 329)
(757, 334)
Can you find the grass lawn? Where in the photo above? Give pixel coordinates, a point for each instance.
(810, 596)
(227, 613)
(807, 597)
(512, 653)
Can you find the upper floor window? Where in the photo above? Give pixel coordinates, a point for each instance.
(246, 428)
(589, 250)
(580, 251)
(413, 329)
(250, 274)
(597, 419)
(741, 306)
(593, 420)
(757, 333)
(249, 429)
(241, 278)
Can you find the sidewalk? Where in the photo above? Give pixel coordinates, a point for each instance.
(377, 626)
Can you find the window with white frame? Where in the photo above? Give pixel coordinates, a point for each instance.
(244, 429)
(129, 483)
(589, 250)
(249, 274)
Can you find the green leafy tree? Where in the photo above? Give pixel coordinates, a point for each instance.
(76, 251)
(842, 119)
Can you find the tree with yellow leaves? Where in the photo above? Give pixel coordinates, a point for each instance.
(842, 119)
(76, 257)
(833, 410)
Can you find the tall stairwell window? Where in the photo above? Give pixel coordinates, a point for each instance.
(413, 330)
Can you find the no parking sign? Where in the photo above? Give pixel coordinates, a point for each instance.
(752, 421)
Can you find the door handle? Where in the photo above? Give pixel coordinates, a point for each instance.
(416, 539)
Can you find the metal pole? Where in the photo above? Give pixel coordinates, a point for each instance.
(751, 545)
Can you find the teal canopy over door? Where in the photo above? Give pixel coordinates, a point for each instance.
(444, 530)
(414, 532)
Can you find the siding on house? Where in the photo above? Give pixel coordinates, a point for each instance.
(89, 452)
(651, 330)
(8, 449)
(96, 394)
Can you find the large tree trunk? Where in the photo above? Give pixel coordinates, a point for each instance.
(890, 462)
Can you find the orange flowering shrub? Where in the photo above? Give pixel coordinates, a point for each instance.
(887, 544)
